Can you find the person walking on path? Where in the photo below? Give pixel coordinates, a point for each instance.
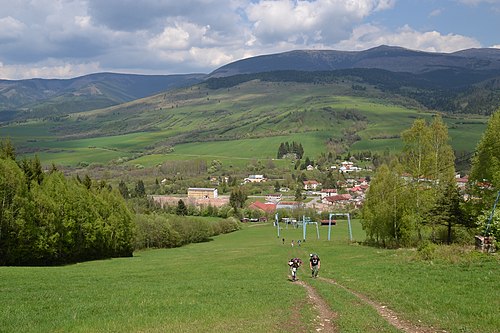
(294, 264)
(314, 264)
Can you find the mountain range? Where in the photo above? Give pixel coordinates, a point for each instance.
(464, 81)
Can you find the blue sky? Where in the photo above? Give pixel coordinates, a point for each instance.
(68, 38)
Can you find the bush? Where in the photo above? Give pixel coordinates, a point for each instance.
(166, 231)
(427, 250)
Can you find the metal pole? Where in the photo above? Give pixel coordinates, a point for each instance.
(304, 227)
(317, 229)
(277, 224)
(350, 229)
(329, 225)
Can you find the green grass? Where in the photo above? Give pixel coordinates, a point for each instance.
(238, 283)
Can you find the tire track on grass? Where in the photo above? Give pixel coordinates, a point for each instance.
(324, 319)
(389, 315)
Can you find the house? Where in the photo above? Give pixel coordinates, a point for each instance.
(337, 200)
(311, 184)
(328, 192)
(357, 190)
(288, 205)
(198, 192)
(348, 167)
(255, 179)
(362, 181)
(309, 167)
(461, 181)
(276, 197)
(265, 207)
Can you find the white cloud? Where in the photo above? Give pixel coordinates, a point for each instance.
(435, 12)
(368, 35)
(305, 22)
(50, 69)
(10, 28)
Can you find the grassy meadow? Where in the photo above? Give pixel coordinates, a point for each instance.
(244, 122)
(239, 283)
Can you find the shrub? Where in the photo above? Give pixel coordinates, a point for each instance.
(166, 230)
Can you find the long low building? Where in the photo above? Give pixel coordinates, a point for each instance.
(164, 200)
(201, 192)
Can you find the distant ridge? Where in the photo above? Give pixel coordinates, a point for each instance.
(391, 58)
(56, 96)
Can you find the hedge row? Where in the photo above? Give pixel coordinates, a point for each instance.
(167, 231)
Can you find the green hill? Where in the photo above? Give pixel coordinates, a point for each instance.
(246, 120)
(37, 98)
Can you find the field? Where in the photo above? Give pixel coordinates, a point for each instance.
(239, 283)
(237, 124)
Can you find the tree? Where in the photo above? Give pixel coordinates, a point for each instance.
(485, 170)
(486, 161)
(32, 168)
(123, 189)
(87, 182)
(385, 206)
(298, 194)
(447, 211)
(140, 189)
(7, 150)
(281, 151)
(417, 146)
(237, 198)
(443, 168)
(429, 160)
(181, 208)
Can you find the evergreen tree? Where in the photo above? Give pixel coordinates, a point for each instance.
(281, 151)
(237, 198)
(300, 151)
(32, 168)
(7, 150)
(298, 193)
(140, 189)
(123, 189)
(447, 212)
(181, 208)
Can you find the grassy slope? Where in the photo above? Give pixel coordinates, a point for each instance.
(238, 283)
(191, 119)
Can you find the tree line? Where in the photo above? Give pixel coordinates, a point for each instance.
(47, 219)
(414, 198)
(293, 148)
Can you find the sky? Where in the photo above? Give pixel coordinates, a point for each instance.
(70, 38)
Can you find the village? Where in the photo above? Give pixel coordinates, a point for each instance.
(347, 196)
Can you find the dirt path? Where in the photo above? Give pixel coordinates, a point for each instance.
(324, 319)
(388, 314)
